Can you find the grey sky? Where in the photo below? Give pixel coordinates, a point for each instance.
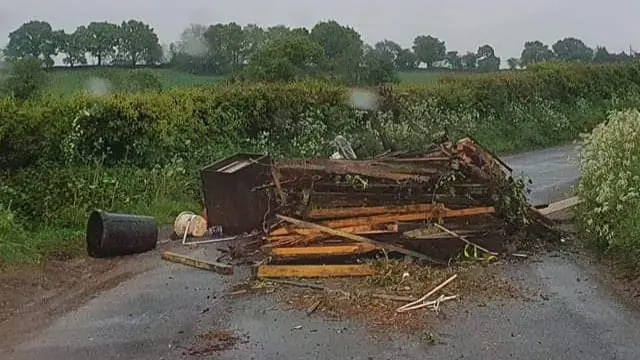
(463, 24)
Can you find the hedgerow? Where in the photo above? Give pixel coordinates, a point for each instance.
(129, 136)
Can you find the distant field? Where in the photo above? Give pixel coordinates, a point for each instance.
(420, 77)
(73, 81)
(70, 81)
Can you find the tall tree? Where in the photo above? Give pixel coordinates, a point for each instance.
(535, 52)
(378, 66)
(386, 49)
(190, 52)
(572, 49)
(487, 59)
(286, 58)
(602, 55)
(103, 39)
(342, 46)
(454, 60)
(489, 64)
(513, 63)
(407, 60)
(485, 51)
(429, 49)
(75, 46)
(33, 40)
(225, 42)
(469, 60)
(139, 43)
(253, 39)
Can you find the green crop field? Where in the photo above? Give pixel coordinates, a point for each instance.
(70, 81)
(420, 77)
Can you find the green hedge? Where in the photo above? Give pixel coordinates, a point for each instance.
(44, 144)
(537, 107)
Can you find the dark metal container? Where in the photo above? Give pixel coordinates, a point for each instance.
(111, 234)
(229, 195)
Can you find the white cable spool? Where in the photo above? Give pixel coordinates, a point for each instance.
(188, 223)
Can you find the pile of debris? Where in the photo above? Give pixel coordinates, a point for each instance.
(431, 205)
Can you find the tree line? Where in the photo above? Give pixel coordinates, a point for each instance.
(130, 43)
(278, 53)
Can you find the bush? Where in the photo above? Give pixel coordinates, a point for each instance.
(610, 187)
(26, 79)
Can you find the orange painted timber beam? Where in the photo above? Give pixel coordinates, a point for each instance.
(322, 251)
(313, 271)
(335, 213)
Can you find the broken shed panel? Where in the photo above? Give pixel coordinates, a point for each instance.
(228, 191)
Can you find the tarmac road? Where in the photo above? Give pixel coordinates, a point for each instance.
(155, 314)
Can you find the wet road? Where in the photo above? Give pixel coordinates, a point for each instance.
(156, 313)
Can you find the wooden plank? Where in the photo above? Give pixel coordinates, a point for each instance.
(313, 271)
(335, 213)
(469, 212)
(420, 159)
(322, 251)
(355, 167)
(437, 213)
(336, 232)
(560, 205)
(220, 268)
(361, 230)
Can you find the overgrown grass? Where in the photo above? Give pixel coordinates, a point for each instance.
(52, 205)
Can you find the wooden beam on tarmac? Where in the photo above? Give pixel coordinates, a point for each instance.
(314, 271)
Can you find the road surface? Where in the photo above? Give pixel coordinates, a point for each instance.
(154, 314)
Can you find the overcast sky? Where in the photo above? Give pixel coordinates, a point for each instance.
(463, 24)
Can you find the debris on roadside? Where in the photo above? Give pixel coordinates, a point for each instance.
(217, 267)
(213, 342)
(374, 300)
(428, 205)
(559, 206)
(110, 234)
(341, 218)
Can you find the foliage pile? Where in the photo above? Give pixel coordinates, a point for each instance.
(610, 187)
(61, 157)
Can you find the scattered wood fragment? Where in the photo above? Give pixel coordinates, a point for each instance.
(432, 303)
(465, 240)
(560, 205)
(411, 305)
(323, 288)
(313, 307)
(217, 267)
(313, 271)
(297, 284)
(336, 232)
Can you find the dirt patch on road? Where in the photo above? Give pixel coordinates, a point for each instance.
(213, 342)
(351, 299)
(33, 297)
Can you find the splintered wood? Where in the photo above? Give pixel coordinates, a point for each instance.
(426, 204)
